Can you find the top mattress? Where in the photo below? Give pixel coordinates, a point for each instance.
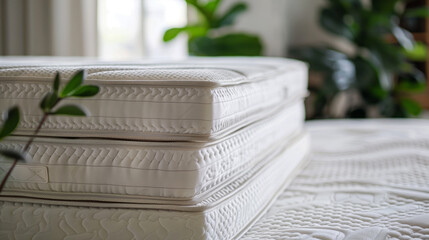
(195, 99)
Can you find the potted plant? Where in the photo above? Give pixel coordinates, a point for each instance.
(210, 35)
(374, 78)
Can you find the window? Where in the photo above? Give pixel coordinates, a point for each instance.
(134, 28)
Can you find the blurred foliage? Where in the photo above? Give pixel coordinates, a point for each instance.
(378, 71)
(204, 37)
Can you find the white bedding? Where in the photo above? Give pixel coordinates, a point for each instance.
(142, 171)
(195, 99)
(365, 180)
(223, 215)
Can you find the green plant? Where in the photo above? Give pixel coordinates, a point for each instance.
(378, 72)
(204, 37)
(49, 106)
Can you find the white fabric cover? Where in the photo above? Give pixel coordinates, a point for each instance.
(140, 171)
(223, 215)
(195, 99)
(366, 180)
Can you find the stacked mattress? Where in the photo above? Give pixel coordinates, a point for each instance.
(196, 149)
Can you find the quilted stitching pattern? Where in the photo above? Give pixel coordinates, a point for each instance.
(373, 183)
(235, 208)
(215, 164)
(225, 106)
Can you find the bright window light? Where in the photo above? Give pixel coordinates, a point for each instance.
(161, 15)
(130, 29)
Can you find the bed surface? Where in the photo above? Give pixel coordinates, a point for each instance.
(365, 180)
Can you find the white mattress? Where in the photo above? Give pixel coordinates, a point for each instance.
(142, 171)
(195, 99)
(365, 180)
(223, 215)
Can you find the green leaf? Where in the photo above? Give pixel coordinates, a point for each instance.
(212, 6)
(192, 31)
(229, 17)
(346, 5)
(412, 80)
(70, 110)
(201, 9)
(384, 6)
(411, 107)
(48, 102)
(338, 68)
(404, 37)
(407, 86)
(388, 56)
(417, 53)
(13, 155)
(56, 84)
(172, 33)
(420, 12)
(86, 91)
(237, 44)
(10, 123)
(320, 58)
(333, 22)
(74, 82)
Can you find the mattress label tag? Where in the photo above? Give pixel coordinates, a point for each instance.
(25, 173)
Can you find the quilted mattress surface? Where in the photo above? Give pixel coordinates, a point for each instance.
(141, 171)
(195, 99)
(365, 180)
(225, 214)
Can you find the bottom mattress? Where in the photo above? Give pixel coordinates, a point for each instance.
(365, 180)
(224, 215)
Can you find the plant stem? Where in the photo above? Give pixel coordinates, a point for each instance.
(15, 161)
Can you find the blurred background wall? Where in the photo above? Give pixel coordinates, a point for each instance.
(91, 27)
(48, 27)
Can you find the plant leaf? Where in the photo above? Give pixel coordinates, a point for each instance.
(56, 84)
(420, 12)
(406, 86)
(48, 101)
(411, 107)
(333, 22)
(404, 37)
(13, 154)
(70, 110)
(237, 44)
(212, 6)
(86, 91)
(384, 6)
(200, 8)
(74, 82)
(172, 33)
(10, 123)
(193, 31)
(229, 17)
(417, 53)
(412, 80)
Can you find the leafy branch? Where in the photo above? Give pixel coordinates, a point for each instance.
(376, 72)
(49, 106)
(202, 40)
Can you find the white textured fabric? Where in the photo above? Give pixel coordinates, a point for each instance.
(196, 99)
(77, 168)
(365, 180)
(223, 215)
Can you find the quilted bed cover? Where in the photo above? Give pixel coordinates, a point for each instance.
(365, 180)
